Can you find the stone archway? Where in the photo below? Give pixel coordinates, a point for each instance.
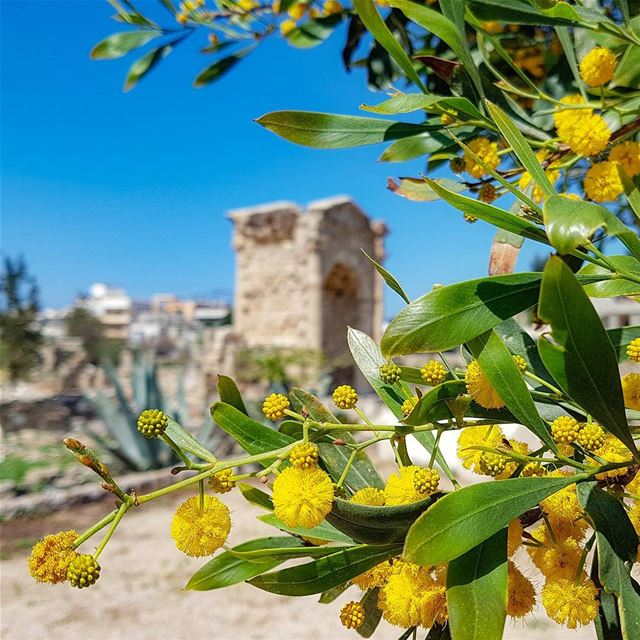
(301, 279)
(340, 309)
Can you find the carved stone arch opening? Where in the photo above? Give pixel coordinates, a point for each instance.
(340, 309)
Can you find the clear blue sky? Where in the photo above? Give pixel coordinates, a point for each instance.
(131, 189)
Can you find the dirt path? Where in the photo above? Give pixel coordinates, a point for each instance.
(139, 595)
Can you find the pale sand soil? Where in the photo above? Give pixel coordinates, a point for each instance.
(139, 594)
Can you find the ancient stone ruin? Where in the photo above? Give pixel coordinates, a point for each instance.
(302, 279)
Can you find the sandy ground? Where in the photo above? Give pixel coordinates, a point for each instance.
(140, 595)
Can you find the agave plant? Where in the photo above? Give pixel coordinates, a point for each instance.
(120, 414)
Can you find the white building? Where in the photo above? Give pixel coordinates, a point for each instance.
(171, 322)
(53, 323)
(617, 312)
(212, 314)
(112, 306)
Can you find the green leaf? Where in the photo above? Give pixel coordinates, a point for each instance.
(119, 44)
(520, 343)
(463, 519)
(131, 15)
(631, 191)
(372, 613)
(407, 149)
(434, 405)
(449, 316)
(255, 496)
(477, 590)
(626, 15)
(216, 70)
(328, 131)
(286, 552)
(145, 64)
(227, 569)
(581, 359)
(568, 47)
(284, 6)
(521, 12)
(490, 57)
(293, 428)
(615, 287)
(252, 436)
(489, 213)
(628, 69)
(323, 531)
(521, 148)
(379, 30)
(375, 525)
(169, 6)
(362, 473)
(229, 393)
(621, 337)
(498, 365)
(617, 548)
(392, 283)
(448, 400)
(369, 358)
(418, 190)
(442, 28)
(335, 457)
(410, 102)
(367, 355)
(423, 144)
(302, 399)
(611, 522)
(411, 375)
(488, 72)
(331, 594)
(325, 573)
(187, 442)
(313, 32)
(216, 47)
(455, 11)
(571, 223)
(607, 624)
